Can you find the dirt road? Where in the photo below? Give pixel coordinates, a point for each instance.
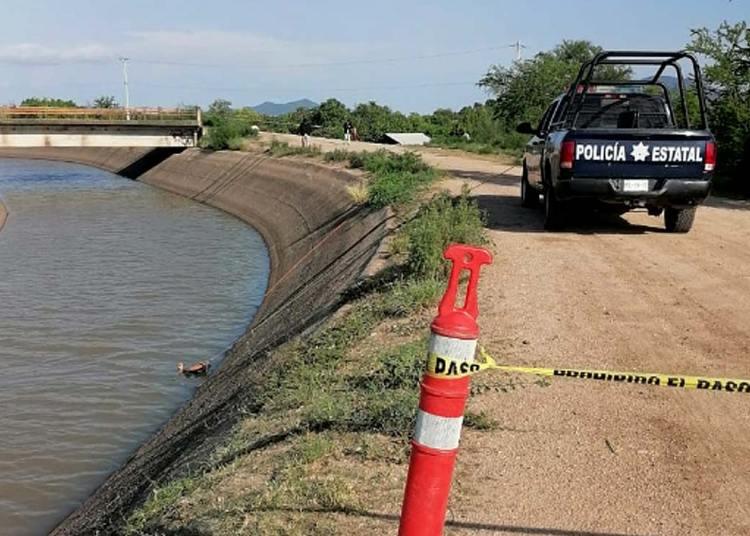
(582, 458)
(618, 293)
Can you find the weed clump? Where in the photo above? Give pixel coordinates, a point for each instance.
(282, 148)
(442, 221)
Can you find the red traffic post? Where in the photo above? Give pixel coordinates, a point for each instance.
(442, 400)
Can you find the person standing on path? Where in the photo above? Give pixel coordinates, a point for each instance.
(347, 131)
(305, 128)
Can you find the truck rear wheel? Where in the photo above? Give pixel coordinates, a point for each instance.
(529, 196)
(679, 220)
(554, 211)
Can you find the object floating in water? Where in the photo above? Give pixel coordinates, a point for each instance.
(196, 369)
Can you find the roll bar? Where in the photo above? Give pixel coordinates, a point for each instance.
(631, 57)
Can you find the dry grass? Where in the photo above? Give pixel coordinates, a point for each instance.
(359, 193)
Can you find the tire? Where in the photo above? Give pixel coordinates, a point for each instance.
(679, 220)
(554, 211)
(529, 196)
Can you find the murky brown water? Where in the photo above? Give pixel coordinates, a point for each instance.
(105, 284)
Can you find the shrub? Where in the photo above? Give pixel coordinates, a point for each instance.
(226, 132)
(338, 155)
(282, 148)
(440, 222)
(397, 188)
(396, 178)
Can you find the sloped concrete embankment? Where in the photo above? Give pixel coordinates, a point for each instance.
(3, 215)
(319, 243)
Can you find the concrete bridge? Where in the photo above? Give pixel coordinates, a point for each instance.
(99, 127)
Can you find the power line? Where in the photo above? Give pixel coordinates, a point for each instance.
(290, 90)
(321, 64)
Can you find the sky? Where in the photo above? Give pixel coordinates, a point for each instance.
(414, 56)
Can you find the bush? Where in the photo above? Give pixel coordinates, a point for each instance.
(282, 148)
(396, 178)
(442, 221)
(383, 161)
(397, 188)
(338, 155)
(226, 132)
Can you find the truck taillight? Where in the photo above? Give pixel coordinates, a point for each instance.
(567, 154)
(710, 159)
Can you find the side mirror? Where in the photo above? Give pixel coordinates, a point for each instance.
(526, 128)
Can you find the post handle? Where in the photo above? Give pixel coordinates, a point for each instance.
(469, 258)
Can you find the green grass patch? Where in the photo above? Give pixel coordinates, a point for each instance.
(442, 221)
(312, 386)
(500, 143)
(397, 179)
(394, 179)
(338, 155)
(227, 133)
(282, 148)
(161, 500)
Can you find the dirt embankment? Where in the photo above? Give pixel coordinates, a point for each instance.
(319, 243)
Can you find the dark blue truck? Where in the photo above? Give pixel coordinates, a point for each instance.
(621, 145)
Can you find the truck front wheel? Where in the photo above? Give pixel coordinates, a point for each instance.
(679, 220)
(554, 210)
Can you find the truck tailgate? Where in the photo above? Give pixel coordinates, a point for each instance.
(639, 154)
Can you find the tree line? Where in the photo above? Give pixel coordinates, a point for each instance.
(518, 93)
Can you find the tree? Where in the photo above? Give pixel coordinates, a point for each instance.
(373, 121)
(727, 74)
(524, 90)
(228, 127)
(220, 107)
(105, 101)
(48, 102)
(329, 118)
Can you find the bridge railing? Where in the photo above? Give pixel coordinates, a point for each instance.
(100, 114)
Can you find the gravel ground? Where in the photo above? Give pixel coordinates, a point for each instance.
(615, 293)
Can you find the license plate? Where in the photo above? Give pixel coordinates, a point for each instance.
(635, 185)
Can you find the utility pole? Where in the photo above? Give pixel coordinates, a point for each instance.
(519, 49)
(124, 61)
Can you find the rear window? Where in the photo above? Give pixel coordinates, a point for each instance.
(623, 111)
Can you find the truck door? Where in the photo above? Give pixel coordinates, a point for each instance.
(535, 147)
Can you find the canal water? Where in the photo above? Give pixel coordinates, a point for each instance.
(105, 285)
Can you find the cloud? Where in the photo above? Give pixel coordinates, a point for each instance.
(36, 54)
(243, 48)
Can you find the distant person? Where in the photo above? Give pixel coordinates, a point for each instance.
(355, 134)
(348, 131)
(305, 128)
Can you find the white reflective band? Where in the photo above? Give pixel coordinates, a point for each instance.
(436, 432)
(456, 349)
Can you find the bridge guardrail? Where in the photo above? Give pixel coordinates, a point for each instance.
(100, 114)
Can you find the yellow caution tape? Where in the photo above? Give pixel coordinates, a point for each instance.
(447, 368)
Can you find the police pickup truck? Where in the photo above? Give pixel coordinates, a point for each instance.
(620, 144)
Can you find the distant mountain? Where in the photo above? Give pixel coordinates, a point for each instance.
(275, 108)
